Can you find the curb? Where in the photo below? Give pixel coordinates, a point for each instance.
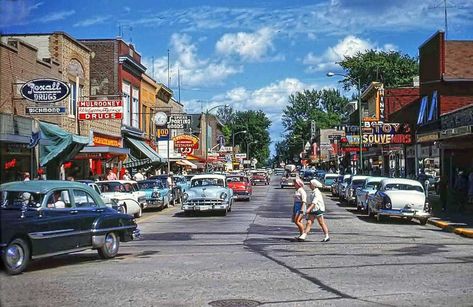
(464, 232)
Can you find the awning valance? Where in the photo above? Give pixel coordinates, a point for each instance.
(145, 151)
(188, 163)
(106, 149)
(62, 145)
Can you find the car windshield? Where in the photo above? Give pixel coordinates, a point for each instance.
(358, 182)
(108, 187)
(402, 187)
(202, 182)
(347, 180)
(372, 185)
(10, 199)
(178, 179)
(150, 184)
(235, 179)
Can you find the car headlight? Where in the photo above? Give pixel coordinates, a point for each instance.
(223, 195)
(185, 197)
(427, 207)
(387, 204)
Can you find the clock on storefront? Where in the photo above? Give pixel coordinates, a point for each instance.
(160, 119)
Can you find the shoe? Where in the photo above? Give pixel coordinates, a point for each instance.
(302, 237)
(326, 239)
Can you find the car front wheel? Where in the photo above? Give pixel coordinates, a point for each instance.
(140, 213)
(111, 246)
(16, 256)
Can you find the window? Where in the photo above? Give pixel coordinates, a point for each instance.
(433, 107)
(59, 199)
(422, 111)
(83, 200)
(18, 199)
(144, 127)
(126, 89)
(135, 108)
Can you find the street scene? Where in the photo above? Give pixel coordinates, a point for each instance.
(202, 153)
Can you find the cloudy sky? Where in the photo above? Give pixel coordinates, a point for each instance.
(249, 54)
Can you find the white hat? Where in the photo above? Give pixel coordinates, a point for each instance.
(316, 183)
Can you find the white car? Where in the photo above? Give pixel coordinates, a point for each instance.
(208, 192)
(399, 197)
(342, 186)
(126, 193)
(369, 188)
(355, 183)
(288, 180)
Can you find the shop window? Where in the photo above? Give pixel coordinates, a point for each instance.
(421, 119)
(433, 113)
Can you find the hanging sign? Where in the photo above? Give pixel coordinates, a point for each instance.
(44, 90)
(179, 121)
(100, 109)
(45, 110)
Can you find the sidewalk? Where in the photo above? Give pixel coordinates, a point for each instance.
(460, 223)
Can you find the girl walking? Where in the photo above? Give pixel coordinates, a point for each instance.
(315, 210)
(299, 207)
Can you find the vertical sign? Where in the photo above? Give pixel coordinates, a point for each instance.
(312, 129)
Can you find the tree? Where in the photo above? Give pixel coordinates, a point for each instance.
(392, 68)
(325, 107)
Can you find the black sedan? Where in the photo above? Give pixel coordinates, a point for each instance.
(40, 219)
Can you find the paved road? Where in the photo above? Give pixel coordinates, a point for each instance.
(249, 256)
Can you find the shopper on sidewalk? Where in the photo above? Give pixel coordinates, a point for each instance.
(315, 210)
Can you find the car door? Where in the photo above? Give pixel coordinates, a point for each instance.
(62, 220)
(88, 211)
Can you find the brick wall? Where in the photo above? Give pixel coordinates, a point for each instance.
(398, 98)
(458, 59)
(430, 58)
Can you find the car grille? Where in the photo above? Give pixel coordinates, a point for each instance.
(204, 202)
(240, 192)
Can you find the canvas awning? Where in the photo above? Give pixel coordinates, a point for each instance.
(143, 154)
(187, 163)
(106, 149)
(61, 146)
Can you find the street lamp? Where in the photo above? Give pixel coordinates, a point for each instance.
(358, 82)
(248, 148)
(207, 112)
(233, 138)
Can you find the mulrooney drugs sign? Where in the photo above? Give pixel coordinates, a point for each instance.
(100, 109)
(45, 90)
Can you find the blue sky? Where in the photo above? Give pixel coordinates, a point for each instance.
(249, 54)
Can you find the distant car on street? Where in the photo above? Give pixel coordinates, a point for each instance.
(355, 183)
(126, 193)
(241, 186)
(288, 180)
(369, 187)
(157, 195)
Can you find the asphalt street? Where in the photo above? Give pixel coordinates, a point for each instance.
(250, 258)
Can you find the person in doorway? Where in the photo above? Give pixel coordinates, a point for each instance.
(111, 175)
(298, 209)
(26, 176)
(315, 210)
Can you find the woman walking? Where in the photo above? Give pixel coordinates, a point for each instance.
(298, 209)
(315, 210)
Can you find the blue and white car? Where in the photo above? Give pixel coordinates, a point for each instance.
(208, 192)
(157, 195)
(356, 182)
(369, 188)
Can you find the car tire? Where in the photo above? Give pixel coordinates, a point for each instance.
(16, 256)
(282, 187)
(423, 221)
(140, 213)
(111, 246)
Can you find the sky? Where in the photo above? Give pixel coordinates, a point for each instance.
(249, 54)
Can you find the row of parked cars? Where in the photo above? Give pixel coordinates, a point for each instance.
(381, 197)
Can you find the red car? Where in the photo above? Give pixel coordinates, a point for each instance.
(259, 177)
(241, 187)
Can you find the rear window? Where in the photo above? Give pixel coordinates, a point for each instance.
(18, 199)
(358, 182)
(150, 185)
(403, 187)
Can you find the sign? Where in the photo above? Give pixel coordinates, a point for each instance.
(312, 129)
(428, 137)
(226, 149)
(106, 141)
(45, 110)
(463, 117)
(246, 161)
(162, 135)
(385, 128)
(45, 90)
(185, 144)
(179, 121)
(240, 156)
(100, 109)
(387, 139)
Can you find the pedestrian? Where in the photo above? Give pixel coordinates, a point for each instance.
(298, 209)
(138, 176)
(111, 175)
(315, 210)
(126, 175)
(26, 176)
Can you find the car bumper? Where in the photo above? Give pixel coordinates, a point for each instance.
(154, 203)
(404, 213)
(241, 195)
(216, 207)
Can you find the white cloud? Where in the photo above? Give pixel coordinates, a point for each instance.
(249, 46)
(17, 12)
(92, 21)
(348, 46)
(56, 16)
(193, 70)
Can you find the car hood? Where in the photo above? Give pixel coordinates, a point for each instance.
(206, 192)
(237, 185)
(402, 198)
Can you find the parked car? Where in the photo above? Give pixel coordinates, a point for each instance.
(328, 180)
(241, 187)
(111, 203)
(278, 171)
(400, 198)
(433, 181)
(157, 195)
(46, 218)
(355, 183)
(335, 185)
(182, 183)
(208, 192)
(308, 175)
(259, 177)
(176, 191)
(288, 180)
(126, 193)
(320, 175)
(369, 188)
(342, 186)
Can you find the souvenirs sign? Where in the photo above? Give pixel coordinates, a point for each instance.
(100, 109)
(45, 90)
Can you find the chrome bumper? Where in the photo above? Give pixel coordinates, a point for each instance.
(136, 234)
(404, 213)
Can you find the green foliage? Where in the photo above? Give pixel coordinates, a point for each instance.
(389, 67)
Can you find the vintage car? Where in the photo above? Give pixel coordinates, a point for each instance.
(259, 177)
(157, 195)
(334, 188)
(176, 192)
(288, 180)
(342, 186)
(328, 180)
(369, 188)
(107, 200)
(241, 186)
(350, 192)
(46, 218)
(208, 192)
(126, 193)
(399, 197)
(278, 171)
(182, 183)
(308, 175)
